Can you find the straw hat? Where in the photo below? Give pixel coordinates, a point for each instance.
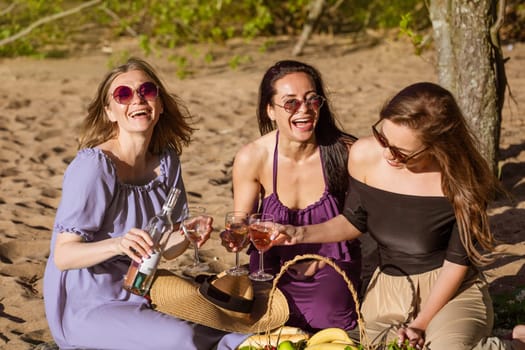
(228, 303)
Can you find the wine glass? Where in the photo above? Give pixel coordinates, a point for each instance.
(194, 226)
(236, 224)
(261, 228)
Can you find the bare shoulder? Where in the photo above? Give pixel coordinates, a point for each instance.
(255, 152)
(363, 154)
(363, 151)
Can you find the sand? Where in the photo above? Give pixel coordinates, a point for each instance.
(43, 101)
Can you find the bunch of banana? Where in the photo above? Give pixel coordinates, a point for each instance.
(284, 338)
(331, 339)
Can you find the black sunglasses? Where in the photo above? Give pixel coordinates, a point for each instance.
(396, 153)
(124, 94)
(291, 106)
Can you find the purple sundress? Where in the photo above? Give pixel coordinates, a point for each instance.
(322, 300)
(88, 308)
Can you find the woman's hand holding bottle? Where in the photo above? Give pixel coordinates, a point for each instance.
(136, 243)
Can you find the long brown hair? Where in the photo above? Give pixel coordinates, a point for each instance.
(467, 180)
(332, 140)
(172, 130)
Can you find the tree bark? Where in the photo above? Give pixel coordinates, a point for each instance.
(468, 65)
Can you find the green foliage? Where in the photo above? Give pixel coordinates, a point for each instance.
(508, 308)
(181, 62)
(393, 345)
(387, 14)
(173, 23)
(19, 17)
(237, 60)
(118, 59)
(405, 29)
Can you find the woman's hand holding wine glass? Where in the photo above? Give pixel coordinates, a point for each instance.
(262, 230)
(236, 236)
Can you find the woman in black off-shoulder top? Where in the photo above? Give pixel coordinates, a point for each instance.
(420, 187)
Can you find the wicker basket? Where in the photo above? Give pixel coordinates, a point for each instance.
(362, 334)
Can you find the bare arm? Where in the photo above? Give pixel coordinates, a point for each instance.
(246, 183)
(447, 284)
(336, 229)
(71, 252)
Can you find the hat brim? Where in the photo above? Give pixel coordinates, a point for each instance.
(178, 297)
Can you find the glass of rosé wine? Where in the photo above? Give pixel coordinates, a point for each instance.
(261, 228)
(236, 225)
(194, 227)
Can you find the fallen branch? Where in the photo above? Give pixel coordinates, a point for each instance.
(316, 9)
(117, 18)
(46, 20)
(8, 9)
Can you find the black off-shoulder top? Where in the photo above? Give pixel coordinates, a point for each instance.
(414, 234)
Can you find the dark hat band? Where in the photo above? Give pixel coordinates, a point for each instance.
(224, 300)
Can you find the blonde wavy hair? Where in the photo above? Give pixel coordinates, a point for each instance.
(173, 129)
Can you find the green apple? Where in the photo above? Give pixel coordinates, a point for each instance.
(286, 345)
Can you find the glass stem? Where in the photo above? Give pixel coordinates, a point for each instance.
(261, 262)
(237, 259)
(196, 258)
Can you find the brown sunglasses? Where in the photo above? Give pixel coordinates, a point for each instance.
(396, 153)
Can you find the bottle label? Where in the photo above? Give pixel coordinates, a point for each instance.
(149, 264)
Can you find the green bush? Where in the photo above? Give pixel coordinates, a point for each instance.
(172, 23)
(509, 308)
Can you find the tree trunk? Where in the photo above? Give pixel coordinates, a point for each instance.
(469, 65)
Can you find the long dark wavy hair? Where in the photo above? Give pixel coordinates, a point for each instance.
(173, 129)
(332, 140)
(467, 180)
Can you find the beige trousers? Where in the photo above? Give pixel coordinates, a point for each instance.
(464, 323)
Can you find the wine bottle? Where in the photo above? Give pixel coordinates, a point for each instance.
(140, 275)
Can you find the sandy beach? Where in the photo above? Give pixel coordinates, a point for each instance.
(43, 101)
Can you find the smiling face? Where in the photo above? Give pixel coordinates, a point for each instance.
(143, 111)
(402, 145)
(298, 125)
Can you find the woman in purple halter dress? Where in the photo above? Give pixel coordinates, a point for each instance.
(119, 179)
(297, 171)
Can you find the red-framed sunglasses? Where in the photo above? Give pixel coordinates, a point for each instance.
(291, 106)
(123, 94)
(399, 156)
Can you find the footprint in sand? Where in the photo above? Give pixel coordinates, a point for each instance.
(20, 251)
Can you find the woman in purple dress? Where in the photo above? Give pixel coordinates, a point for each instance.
(128, 161)
(297, 171)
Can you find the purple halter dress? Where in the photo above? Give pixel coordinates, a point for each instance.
(322, 300)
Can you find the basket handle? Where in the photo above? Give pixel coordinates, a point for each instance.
(360, 322)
